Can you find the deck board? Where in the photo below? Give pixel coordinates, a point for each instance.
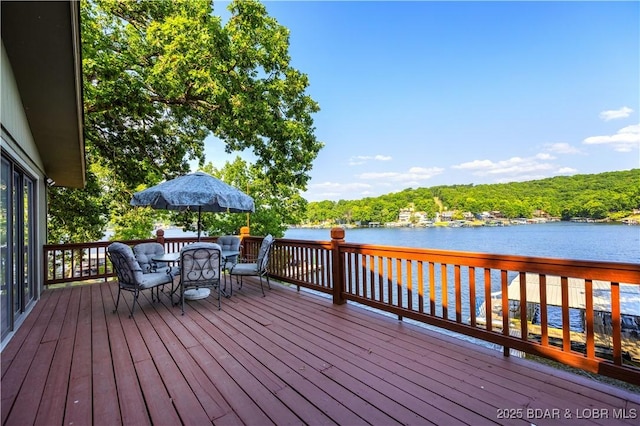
(287, 358)
(129, 394)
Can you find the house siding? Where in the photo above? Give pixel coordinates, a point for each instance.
(18, 145)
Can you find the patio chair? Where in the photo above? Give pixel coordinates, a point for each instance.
(229, 243)
(145, 252)
(130, 274)
(259, 268)
(200, 267)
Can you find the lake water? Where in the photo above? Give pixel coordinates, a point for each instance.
(565, 240)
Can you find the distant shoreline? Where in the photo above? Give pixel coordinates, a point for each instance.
(467, 224)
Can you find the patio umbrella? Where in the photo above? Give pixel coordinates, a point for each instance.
(195, 191)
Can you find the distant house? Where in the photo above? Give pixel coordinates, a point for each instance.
(404, 216)
(446, 216)
(421, 218)
(42, 139)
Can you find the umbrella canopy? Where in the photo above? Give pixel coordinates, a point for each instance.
(195, 191)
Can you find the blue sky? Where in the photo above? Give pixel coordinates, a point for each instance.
(419, 94)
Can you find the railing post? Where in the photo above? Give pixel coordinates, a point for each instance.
(160, 236)
(337, 265)
(244, 233)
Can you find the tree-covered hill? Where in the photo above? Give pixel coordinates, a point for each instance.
(597, 196)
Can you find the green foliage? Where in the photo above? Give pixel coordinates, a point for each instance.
(134, 224)
(160, 76)
(604, 195)
(76, 216)
(275, 205)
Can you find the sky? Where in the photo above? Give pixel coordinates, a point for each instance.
(422, 93)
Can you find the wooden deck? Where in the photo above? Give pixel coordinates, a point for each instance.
(288, 358)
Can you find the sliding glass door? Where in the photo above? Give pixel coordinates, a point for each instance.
(17, 243)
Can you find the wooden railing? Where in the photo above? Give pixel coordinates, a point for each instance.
(466, 293)
(69, 263)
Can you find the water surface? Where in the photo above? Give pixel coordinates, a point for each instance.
(564, 240)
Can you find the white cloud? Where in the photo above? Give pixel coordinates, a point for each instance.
(362, 159)
(536, 176)
(514, 168)
(625, 140)
(475, 165)
(566, 170)
(544, 156)
(413, 176)
(615, 114)
(562, 148)
(336, 190)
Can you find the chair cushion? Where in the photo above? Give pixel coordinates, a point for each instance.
(263, 254)
(153, 279)
(245, 269)
(125, 263)
(145, 252)
(229, 243)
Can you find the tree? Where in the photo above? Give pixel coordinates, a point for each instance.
(88, 219)
(160, 76)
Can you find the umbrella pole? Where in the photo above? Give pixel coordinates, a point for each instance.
(199, 212)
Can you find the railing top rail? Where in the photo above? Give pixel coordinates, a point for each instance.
(305, 243)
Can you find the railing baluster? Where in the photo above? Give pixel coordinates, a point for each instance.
(358, 270)
(615, 322)
(488, 301)
(399, 282)
(458, 294)
(472, 295)
(590, 341)
(544, 318)
(432, 288)
(349, 273)
(566, 323)
(504, 285)
(389, 281)
(420, 287)
(409, 284)
(445, 291)
(380, 280)
(523, 306)
(372, 278)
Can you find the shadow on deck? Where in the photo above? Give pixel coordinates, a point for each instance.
(288, 358)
